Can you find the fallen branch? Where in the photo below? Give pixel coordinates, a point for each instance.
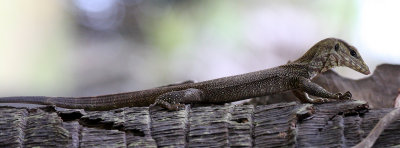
(378, 129)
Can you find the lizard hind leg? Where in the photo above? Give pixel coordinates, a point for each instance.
(175, 100)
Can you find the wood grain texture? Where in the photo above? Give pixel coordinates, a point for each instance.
(337, 124)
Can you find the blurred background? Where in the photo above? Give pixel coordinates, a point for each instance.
(94, 47)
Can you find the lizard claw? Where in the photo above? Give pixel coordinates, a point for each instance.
(345, 96)
(320, 100)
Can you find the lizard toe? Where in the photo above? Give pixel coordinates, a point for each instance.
(337, 96)
(346, 96)
(319, 100)
(175, 107)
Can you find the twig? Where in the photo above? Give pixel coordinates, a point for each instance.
(382, 125)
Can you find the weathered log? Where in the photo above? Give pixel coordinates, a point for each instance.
(336, 124)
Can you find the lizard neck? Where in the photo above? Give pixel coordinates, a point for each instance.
(324, 62)
(319, 60)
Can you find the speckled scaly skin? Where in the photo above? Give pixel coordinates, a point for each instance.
(295, 76)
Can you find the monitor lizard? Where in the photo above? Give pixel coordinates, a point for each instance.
(294, 76)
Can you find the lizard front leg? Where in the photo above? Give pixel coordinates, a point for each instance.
(172, 100)
(306, 86)
(304, 98)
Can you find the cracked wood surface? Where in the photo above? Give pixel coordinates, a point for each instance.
(336, 124)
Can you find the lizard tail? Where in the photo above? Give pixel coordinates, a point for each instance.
(27, 99)
(88, 103)
(105, 102)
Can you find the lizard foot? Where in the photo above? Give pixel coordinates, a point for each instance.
(345, 96)
(175, 100)
(319, 100)
(169, 106)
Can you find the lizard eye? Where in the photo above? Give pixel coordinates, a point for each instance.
(337, 47)
(353, 53)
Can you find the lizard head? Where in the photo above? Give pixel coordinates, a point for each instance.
(333, 52)
(347, 55)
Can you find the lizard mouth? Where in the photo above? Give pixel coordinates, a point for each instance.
(364, 71)
(367, 72)
(359, 67)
